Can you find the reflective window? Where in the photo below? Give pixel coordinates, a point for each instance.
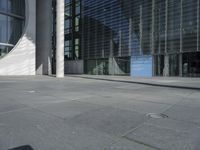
(11, 23)
(3, 5)
(72, 29)
(3, 28)
(123, 28)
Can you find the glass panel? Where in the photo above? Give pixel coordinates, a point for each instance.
(16, 7)
(11, 23)
(67, 23)
(123, 28)
(67, 1)
(72, 22)
(159, 65)
(97, 67)
(122, 66)
(173, 30)
(191, 64)
(3, 28)
(68, 10)
(160, 26)
(15, 27)
(4, 50)
(189, 25)
(146, 21)
(3, 5)
(174, 65)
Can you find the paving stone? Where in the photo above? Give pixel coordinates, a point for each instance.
(84, 114)
(166, 134)
(141, 106)
(7, 105)
(109, 120)
(190, 103)
(68, 109)
(44, 132)
(102, 100)
(184, 113)
(127, 145)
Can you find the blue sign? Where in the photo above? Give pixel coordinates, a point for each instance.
(141, 66)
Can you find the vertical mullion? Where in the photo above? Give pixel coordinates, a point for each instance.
(153, 26)
(130, 36)
(73, 18)
(141, 29)
(181, 27)
(166, 25)
(198, 21)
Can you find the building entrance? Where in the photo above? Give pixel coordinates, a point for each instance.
(191, 64)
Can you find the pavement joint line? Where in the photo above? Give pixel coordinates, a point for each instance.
(190, 122)
(133, 129)
(142, 143)
(148, 101)
(142, 83)
(163, 127)
(8, 81)
(110, 106)
(49, 114)
(137, 141)
(176, 104)
(27, 107)
(16, 110)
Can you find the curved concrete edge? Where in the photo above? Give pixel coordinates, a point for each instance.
(138, 82)
(21, 60)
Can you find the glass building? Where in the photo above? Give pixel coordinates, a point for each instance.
(134, 37)
(101, 37)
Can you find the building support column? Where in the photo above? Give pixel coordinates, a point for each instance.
(166, 67)
(181, 28)
(153, 38)
(180, 64)
(43, 34)
(60, 38)
(166, 57)
(181, 43)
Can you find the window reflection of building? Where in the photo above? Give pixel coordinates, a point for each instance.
(160, 32)
(72, 29)
(11, 24)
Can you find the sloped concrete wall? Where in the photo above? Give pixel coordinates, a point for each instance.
(21, 60)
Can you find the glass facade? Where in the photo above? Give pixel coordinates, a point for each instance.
(106, 36)
(72, 29)
(11, 23)
(141, 37)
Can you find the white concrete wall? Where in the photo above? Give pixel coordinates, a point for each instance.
(74, 67)
(21, 60)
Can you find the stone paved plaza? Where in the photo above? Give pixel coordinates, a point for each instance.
(86, 114)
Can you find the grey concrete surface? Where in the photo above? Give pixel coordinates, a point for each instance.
(86, 114)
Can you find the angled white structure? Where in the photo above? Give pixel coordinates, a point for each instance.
(26, 40)
(21, 59)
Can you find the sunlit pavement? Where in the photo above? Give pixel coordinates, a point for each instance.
(76, 113)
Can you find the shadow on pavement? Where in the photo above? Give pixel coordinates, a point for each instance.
(25, 147)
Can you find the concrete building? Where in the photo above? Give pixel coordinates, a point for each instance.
(26, 37)
(115, 37)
